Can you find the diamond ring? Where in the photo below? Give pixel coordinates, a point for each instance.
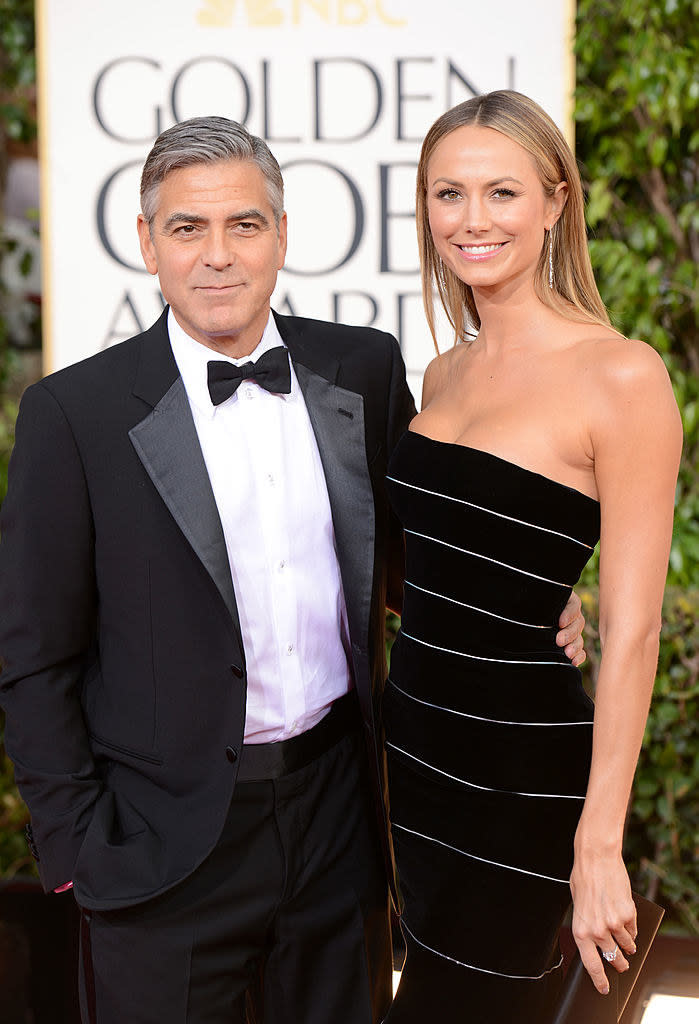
(611, 957)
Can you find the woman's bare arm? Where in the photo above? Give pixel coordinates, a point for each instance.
(636, 435)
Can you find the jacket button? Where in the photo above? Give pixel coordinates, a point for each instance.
(231, 754)
(237, 671)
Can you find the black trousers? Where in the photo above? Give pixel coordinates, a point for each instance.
(286, 922)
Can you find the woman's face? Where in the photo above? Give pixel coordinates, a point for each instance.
(487, 208)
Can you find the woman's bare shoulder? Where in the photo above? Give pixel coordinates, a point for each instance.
(439, 370)
(617, 363)
(628, 392)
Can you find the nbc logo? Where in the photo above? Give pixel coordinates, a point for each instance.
(275, 13)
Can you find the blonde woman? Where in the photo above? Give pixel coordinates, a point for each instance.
(541, 431)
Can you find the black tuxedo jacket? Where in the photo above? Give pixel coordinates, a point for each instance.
(123, 675)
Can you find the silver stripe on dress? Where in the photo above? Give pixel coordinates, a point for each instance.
(475, 554)
(482, 970)
(483, 860)
(475, 608)
(480, 718)
(486, 789)
(492, 512)
(479, 657)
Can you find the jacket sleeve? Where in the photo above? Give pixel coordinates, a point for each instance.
(47, 622)
(401, 410)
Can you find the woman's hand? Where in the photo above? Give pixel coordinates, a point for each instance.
(604, 914)
(571, 625)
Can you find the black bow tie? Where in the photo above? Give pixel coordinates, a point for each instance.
(271, 372)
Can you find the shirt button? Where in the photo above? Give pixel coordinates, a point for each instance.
(289, 648)
(294, 726)
(282, 564)
(250, 393)
(232, 754)
(270, 478)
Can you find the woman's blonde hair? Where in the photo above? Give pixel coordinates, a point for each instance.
(574, 292)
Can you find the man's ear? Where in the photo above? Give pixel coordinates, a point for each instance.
(282, 241)
(146, 242)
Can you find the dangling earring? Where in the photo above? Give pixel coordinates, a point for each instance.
(551, 257)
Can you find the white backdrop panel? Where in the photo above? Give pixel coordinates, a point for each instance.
(343, 91)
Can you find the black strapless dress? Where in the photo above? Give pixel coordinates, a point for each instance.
(488, 731)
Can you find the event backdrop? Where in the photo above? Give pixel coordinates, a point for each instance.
(342, 90)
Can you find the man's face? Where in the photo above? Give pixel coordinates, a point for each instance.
(216, 249)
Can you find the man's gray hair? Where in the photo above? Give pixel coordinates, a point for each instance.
(207, 140)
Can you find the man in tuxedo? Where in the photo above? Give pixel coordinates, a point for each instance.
(197, 554)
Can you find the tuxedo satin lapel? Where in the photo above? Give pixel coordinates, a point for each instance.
(337, 417)
(167, 444)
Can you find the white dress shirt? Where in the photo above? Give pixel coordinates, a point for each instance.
(265, 470)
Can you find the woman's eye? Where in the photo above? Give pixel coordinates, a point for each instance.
(448, 193)
(503, 193)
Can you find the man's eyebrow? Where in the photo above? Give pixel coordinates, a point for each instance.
(252, 214)
(183, 218)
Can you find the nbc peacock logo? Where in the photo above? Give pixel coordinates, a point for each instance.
(278, 13)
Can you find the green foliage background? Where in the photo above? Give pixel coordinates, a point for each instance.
(637, 139)
(637, 136)
(17, 78)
